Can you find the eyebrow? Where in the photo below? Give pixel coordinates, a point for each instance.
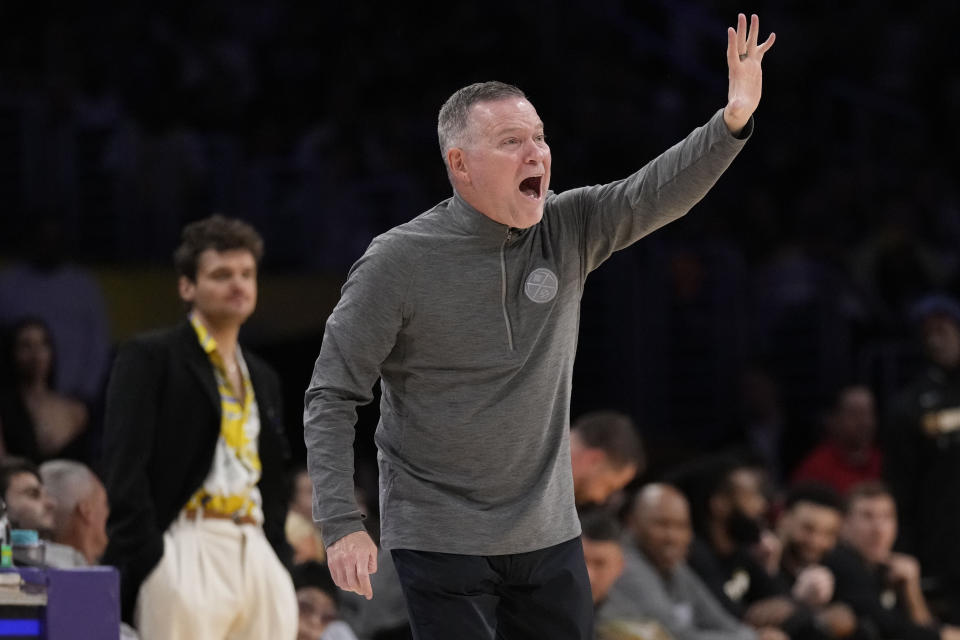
(512, 129)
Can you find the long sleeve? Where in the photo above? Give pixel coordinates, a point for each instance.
(855, 586)
(617, 214)
(686, 609)
(136, 542)
(902, 471)
(360, 334)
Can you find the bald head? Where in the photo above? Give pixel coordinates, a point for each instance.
(660, 522)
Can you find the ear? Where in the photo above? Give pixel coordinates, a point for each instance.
(82, 509)
(594, 456)
(457, 164)
(585, 458)
(187, 288)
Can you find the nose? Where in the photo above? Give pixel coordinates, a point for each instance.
(535, 153)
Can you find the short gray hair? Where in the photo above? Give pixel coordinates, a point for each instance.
(67, 482)
(455, 112)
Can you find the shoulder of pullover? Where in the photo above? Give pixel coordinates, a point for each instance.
(395, 257)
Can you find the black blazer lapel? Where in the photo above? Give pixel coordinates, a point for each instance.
(198, 363)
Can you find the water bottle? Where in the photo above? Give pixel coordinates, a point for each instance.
(27, 548)
(6, 549)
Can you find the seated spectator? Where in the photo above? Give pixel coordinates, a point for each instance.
(319, 602)
(28, 504)
(847, 455)
(808, 529)
(734, 553)
(606, 453)
(603, 553)
(45, 284)
(302, 534)
(656, 581)
(923, 470)
(80, 512)
(36, 421)
(883, 587)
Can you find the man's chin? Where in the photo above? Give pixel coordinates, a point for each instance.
(526, 219)
(232, 317)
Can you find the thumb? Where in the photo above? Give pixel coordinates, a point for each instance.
(372, 564)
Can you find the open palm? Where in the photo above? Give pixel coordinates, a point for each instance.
(744, 56)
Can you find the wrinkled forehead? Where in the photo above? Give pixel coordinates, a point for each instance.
(872, 506)
(24, 481)
(497, 115)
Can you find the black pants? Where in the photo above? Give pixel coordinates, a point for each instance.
(538, 595)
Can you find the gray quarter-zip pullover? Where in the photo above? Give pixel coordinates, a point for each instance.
(472, 327)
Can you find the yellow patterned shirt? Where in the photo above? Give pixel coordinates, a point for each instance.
(231, 485)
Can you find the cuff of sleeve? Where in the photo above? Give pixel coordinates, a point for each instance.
(333, 530)
(746, 132)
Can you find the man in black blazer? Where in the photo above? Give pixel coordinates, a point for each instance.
(194, 459)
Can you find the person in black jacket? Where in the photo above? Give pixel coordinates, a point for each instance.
(194, 459)
(922, 467)
(734, 553)
(882, 587)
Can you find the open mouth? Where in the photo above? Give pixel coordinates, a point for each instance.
(530, 187)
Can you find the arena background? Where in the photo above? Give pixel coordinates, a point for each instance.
(316, 122)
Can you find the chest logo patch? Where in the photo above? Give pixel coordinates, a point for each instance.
(541, 286)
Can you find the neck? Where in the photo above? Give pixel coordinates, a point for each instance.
(855, 453)
(80, 540)
(666, 573)
(225, 335)
(471, 197)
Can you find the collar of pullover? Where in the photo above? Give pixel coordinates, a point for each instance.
(474, 222)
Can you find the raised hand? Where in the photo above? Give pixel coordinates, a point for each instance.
(746, 78)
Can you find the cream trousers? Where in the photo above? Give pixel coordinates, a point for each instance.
(216, 581)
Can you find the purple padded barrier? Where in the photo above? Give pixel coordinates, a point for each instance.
(83, 604)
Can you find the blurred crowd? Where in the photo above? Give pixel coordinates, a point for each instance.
(857, 540)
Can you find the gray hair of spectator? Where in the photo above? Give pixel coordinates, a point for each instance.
(67, 482)
(216, 232)
(615, 434)
(454, 119)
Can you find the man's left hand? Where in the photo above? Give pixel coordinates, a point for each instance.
(903, 570)
(746, 78)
